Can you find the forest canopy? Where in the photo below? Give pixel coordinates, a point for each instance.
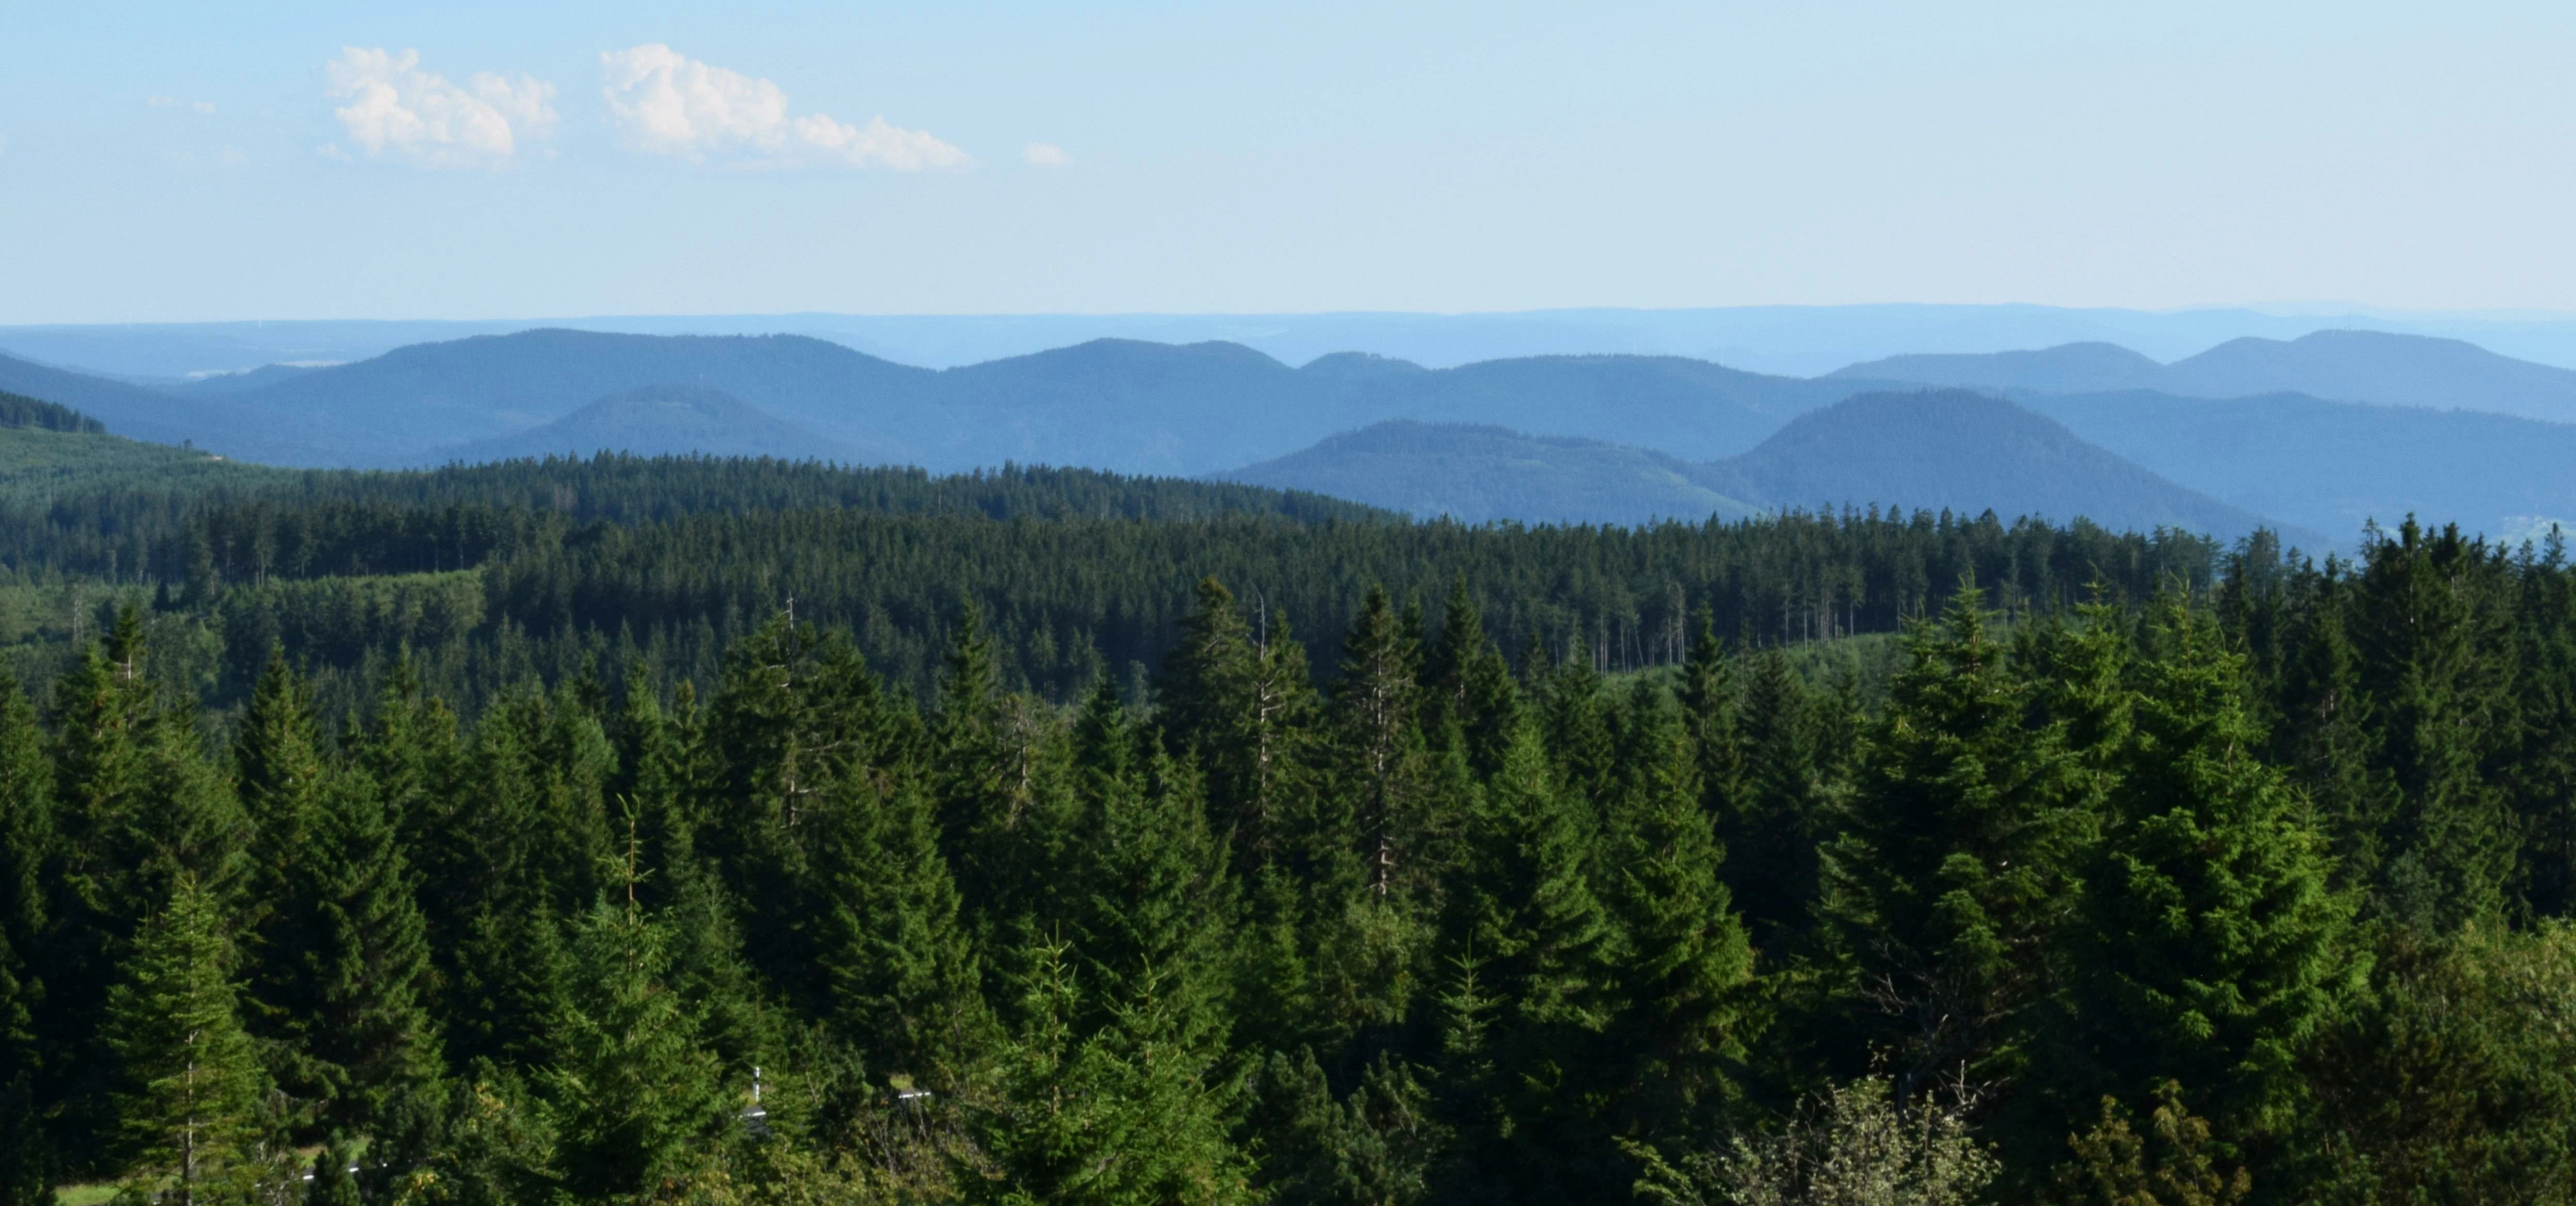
(626, 831)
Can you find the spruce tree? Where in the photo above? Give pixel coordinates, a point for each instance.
(1958, 862)
(1772, 823)
(904, 981)
(1132, 1112)
(345, 974)
(279, 772)
(26, 847)
(1378, 749)
(1468, 684)
(2433, 657)
(1532, 960)
(2328, 737)
(2209, 949)
(138, 809)
(798, 713)
(189, 1080)
(1682, 1010)
(634, 1097)
(1153, 905)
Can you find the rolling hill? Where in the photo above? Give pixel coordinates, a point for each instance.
(1928, 450)
(2349, 366)
(1122, 405)
(1477, 474)
(2333, 466)
(1966, 452)
(662, 420)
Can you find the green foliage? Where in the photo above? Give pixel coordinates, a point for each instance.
(1852, 1145)
(2210, 950)
(2174, 1164)
(188, 1100)
(1960, 858)
(1130, 1112)
(2454, 1081)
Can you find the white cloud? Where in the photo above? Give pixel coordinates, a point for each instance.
(160, 102)
(396, 110)
(666, 103)
(1044, 154)
(207, 107)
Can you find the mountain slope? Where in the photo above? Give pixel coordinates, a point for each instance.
(662, 420)
(2372, 366)
(131, 410)
(2066, 368)
(1966, 452)
(2349, 366)
(1476, 474)
(2333, 466)
(398, 407)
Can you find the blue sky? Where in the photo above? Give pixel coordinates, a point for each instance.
(168, 162)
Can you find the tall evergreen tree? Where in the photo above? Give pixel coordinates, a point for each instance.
(2429, 632)
(2328, 737)
(190, 1083)
(138, 809)
(904, 981)
(345, 967)
(1959, 861)
(26, 846)
(1532, 955)
(2209, 948)
(1771, 825)
(635, 1099)
(798, 713)
(1682, 979)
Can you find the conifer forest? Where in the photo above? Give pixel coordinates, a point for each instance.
(702, 831)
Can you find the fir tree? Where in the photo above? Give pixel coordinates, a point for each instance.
(904, 981)
(346, 968)
(1533, 955)
(2210, 948)
(26, 846)
(1772, 825)
(2432, 656)
(1686, 961)
(634, 1098)
(190, 1085)
(1958, 863)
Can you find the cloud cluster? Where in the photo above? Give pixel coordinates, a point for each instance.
(664, 102)
(396, 110)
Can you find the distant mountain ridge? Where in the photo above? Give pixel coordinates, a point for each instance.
(663, 420)
(1478, 473)
(1120, 405)
(1199, 409)
(2345, 366)
(1917, 450)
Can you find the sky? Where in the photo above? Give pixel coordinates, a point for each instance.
(188, 162)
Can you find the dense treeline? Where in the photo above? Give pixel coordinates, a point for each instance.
(19, 410)
(257, 521)
(1070, 589)
(2249, 892)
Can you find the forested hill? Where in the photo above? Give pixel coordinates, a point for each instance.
(2347, 366)
(2256, 886)
(1119, 405)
